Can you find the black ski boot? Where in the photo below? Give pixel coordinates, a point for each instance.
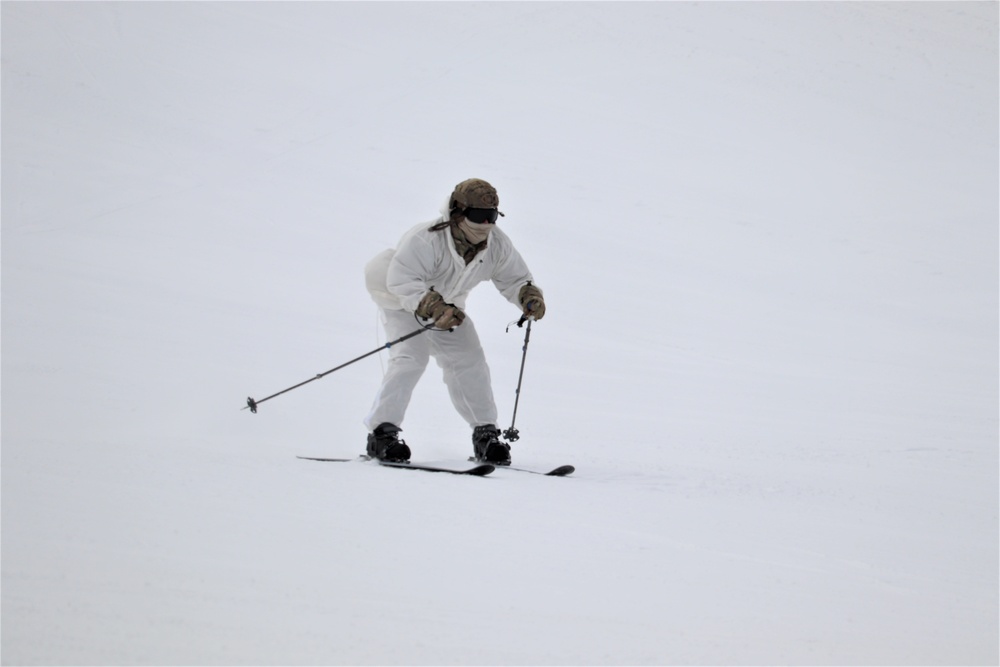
(489, 447)
(384, 444)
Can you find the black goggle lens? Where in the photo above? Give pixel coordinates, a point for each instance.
(481, 215)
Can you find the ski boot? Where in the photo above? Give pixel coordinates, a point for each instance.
(385, 445)
(488, 446)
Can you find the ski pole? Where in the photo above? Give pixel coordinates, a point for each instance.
(252, 404)
(511, 434)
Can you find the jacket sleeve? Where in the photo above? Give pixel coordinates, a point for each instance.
(410, 269)
(511, 273)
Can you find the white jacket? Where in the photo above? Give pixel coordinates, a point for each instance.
(425, 260)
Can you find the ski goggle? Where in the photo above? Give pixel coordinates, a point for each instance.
(481, 215)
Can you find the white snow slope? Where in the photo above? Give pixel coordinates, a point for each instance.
(768, 235)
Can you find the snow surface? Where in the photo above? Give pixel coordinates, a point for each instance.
(768, 235)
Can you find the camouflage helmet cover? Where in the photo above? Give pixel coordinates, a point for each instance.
(474, 193)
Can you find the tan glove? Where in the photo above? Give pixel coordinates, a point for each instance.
(532, 303)
(445, 315)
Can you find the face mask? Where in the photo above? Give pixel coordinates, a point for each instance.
(476, 233)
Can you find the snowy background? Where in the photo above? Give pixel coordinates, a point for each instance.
(768, 235)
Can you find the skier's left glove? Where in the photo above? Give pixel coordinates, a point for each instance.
(532, 303)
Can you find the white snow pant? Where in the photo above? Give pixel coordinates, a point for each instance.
(459, 354)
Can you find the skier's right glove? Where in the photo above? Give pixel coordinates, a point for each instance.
(445, 315)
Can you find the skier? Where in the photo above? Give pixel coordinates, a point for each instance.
(428, 276)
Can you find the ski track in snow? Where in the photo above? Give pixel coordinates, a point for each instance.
(767, 234)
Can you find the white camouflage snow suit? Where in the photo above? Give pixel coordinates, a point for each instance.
(397, 281)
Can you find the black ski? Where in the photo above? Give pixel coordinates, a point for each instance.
(477, 470)
(561, 471)
(314, 458)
